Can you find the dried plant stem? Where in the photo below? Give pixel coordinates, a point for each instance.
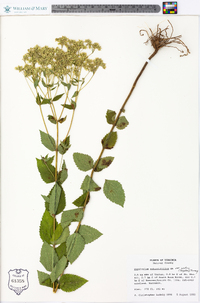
(114, 124)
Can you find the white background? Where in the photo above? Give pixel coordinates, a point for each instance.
(156, 156)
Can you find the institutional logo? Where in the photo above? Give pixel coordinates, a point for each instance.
(18, 280)
(7, 9)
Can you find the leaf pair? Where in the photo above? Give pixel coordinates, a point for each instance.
(121, 122)
(85, 162)
(47, 232)
(76, 242)
(68, 282)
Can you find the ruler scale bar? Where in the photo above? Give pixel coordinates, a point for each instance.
(105, 8)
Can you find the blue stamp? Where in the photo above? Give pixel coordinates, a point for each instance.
(18, 280)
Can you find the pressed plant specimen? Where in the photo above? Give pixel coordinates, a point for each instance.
(56, 77)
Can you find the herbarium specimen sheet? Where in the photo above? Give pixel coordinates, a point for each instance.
(153, 223)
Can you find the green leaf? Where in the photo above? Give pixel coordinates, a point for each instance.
(44, 279)
(70, 106)
(47, 171)
(103, 163)
(46, 101)
(122, 122)
(66, 84)
(70, 283)
(63, 174)
(48, 141)
(56, 98)
(64, 146)
(110, 116)
(75, 94)
(89, 185)
(58, 269)
(38, 99)
(75, 246)
(61, 120)
(46, 198)
(61, 204)
(61, 250)
(83, 162)
(54, 199)
(46, 227)
(89, 233)
(51, 119)
(114, 192)
(72, 215)
(46, 85)
(81, 200)
(60, 235)
(48, 256)
(109, 140)
(36, 82)
(56, 234)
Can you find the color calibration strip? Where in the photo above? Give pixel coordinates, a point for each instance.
(169, 7)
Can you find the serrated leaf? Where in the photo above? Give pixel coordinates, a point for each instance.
(61, 204)
(46, 198)
(56, 234)
(47, 171)
(61, 250)
(42, 276)
(58, 269)
(83, 162)
(66, 84)
(56, 98)
(63, 174)
(81, 200)
(89, 185)
(48, 256)
(89, 233)
(64, 146)
(122, 122)
(75, 246)
(46, 227)
(109, 140)
(48, 141)
(51, 119)
(44, 279)
(110, 116)
(103, 163)
(114, 192)
(70, 282)
(54, 199)
(60, 235)
(72, 215)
